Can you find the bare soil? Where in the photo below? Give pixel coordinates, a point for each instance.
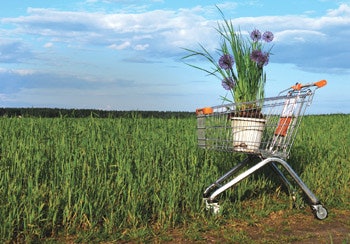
(278, 227)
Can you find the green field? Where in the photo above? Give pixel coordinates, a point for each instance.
(125, 179)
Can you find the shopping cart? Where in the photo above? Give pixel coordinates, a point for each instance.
(264, 130)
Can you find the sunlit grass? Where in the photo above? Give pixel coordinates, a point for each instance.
(135, 177)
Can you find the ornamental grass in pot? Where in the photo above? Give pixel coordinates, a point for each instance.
(240, 68)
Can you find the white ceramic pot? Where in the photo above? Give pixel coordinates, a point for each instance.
(247, 134)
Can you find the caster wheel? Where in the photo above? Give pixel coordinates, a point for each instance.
(213, 207)
(320, 212)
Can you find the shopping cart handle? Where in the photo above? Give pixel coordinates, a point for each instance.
(204, 111)
(319, 84)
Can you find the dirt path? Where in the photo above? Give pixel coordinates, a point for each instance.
(295, 227)
(279, 227)
(301, 228)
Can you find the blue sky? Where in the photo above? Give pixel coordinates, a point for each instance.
(126, 54)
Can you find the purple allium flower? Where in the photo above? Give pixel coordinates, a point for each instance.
(256, 55)
(226, 61)
(259, 57)
(228, 83)
(264, 60)
(255, 35)
(268, 36)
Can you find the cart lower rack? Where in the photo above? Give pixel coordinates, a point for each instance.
(264, 130)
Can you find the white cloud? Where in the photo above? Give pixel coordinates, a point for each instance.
(165, 32)
(140, 47)
(121, 46)
(24, 72)
(48, 45)
(343, 9)
(295, 36)
(21, 72)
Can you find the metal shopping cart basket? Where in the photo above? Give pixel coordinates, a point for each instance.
(266, 140)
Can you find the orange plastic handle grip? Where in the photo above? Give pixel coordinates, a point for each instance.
(297, 86)
(320, 83)
(203, 111)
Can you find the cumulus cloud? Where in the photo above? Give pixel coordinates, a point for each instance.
(112, 30)
(162, 33)
(343, 10)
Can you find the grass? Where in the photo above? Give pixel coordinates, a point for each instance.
(138, 178)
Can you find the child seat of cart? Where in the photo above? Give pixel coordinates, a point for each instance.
(286, 117)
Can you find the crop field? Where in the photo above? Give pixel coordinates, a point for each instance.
(140, 179)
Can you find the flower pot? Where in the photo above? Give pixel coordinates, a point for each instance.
(247, 133)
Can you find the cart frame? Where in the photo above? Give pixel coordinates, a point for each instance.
(282, 116)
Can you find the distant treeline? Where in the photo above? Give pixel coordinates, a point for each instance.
(83, 113)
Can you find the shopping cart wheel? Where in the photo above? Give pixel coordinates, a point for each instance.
(319, 211)
(212, 206)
